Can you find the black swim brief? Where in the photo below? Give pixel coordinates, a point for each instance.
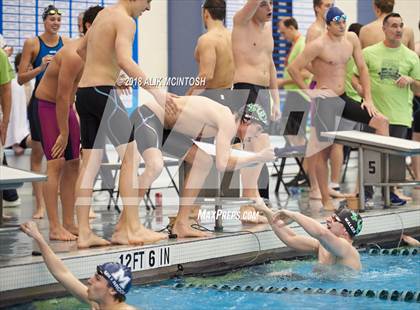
(102, 114)
(253, 94)
(150, 133)
(330, 111)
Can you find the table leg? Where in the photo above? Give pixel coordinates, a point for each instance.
(387, 188)
(361, 181)
(1, 207)
(218, 225)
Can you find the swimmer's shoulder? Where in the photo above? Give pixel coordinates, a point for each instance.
(313, 33)
(352, 37)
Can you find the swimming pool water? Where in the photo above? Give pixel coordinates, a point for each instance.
(379, 272)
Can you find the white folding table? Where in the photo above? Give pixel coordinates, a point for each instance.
(383, 144)
(12, 178)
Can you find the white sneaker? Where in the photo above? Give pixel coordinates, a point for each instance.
(101, 196)
(11, 204)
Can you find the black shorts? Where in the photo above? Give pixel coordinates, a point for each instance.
(150, 133)
(222, 96)
(253, 94)
(330, 111)
(34, 122)
(416, 116)
(295, 115)
(102, 114)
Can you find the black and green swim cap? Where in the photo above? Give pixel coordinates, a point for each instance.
(351, 221)
(255, 113)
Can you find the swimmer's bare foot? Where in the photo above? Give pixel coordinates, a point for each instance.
(74, 229)
(39, 213)
(137, 236)
(411, 241)
(60, 233)
(249, 215)
(262, 207)
(336, 194)
(89, 239)
(92, 214)
(315, 195)
(18, 149)
(328, 205)
(186, 231)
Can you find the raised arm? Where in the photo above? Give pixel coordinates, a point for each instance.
(244, 15)
(70, 68)
(337, 246)
(54, 264)
(206, 49)
(285, 234)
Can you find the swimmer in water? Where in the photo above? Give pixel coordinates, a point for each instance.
(333, 243)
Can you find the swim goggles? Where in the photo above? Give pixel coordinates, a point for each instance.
(50, 11)
(339, 18)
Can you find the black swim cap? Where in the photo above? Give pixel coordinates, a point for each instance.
(255, 113)
(351, 221)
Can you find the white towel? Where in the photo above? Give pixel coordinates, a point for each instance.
(18, 127)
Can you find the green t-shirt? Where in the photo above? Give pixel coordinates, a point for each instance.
(385, 66)
(6, 71)
(350, 91)
(298, 48)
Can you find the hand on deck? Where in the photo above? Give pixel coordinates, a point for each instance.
(31, 230)
(282, 218)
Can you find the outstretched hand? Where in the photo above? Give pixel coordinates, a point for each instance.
(31, 229)
(281, 217)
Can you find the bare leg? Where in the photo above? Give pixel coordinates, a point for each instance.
(129, 230)
(201, 164)
(416, 159)
(322, 175)
(36, 166)
(249, 176)
(336, 162)
(91, 162)
(67, 192)
(57, 231)
(311, 161)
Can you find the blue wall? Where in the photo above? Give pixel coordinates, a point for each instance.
(365, 12)
(184, 27)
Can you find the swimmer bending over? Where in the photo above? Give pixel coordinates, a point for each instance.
(200, 117)
(333, 243)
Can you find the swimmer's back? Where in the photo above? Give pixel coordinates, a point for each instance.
(101, 67)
